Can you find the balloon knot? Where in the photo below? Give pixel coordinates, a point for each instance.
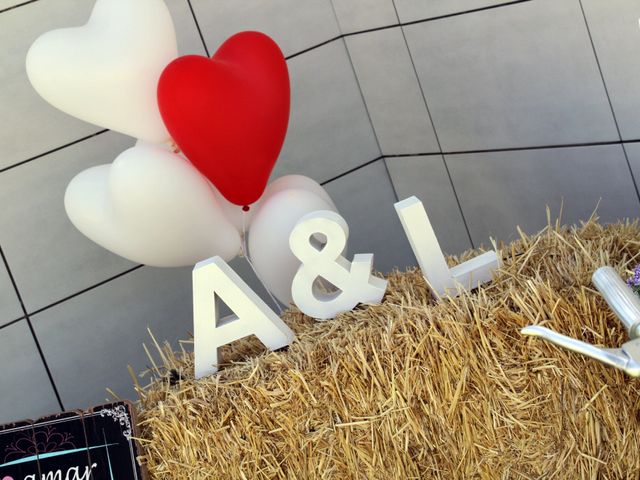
(174, 147)
(245, 208)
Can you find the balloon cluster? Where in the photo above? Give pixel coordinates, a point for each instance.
(209, 133)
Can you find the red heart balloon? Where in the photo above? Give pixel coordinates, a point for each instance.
(229, 113)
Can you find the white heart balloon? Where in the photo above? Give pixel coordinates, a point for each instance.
(106, 72)
(152, 207)
(271, 227)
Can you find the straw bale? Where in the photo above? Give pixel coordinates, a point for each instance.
(418, 389)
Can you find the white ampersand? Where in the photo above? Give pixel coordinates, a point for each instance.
(353, 279)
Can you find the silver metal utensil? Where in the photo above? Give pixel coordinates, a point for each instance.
(626, 305)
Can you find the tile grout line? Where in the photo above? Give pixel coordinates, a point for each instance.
(393, 187)
(85, 290)
(606, 91)
(32, 330)
(46, 365)
(364, 101)
(351, 170)
(411, 22)
(12, 322)
(516, 149)
(13, 282)
(17, 5)
(57, 149)
(433, 126)
(393, 155)
(313, 47)
(403, 24)
(195, 19)
(457, 14)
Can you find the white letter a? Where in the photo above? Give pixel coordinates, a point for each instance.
(211, 278)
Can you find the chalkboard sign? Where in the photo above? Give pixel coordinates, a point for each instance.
(90, 445)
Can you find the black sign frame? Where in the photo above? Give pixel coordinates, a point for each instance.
(97, 444)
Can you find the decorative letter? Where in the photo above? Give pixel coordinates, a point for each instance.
(213, 279)
(426, 248)
(354, 280)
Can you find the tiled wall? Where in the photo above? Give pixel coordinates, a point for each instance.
(486, 110)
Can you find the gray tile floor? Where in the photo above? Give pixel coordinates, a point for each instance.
(10, 308)
(525, 182)
(614, 29)
(47, 255)
(364, 14)
(502, 83)
(395, 103)
(26, 390)
(508, 77)
(412, 10)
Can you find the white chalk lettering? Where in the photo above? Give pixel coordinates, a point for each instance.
(57, 474)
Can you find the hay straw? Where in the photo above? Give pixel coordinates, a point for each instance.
(415, 389)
